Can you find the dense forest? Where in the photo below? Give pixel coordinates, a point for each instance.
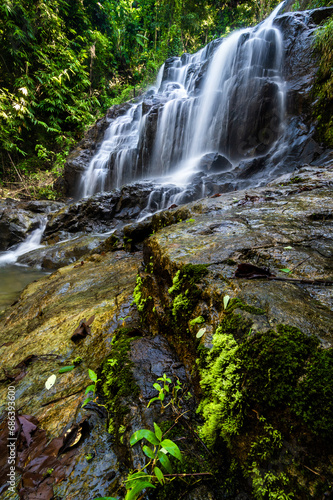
(63, 63)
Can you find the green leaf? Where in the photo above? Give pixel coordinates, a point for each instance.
(86, 401)
(106, 498)
(158, 432)
(137, 476)
(92, 375)
(152, 400)
(288, 248)
(144, 434)
(164, 461)
(226, 299)
(148, 451)
(65, 369)
(90, 388)
(159, 474)
(200, 333)
(161, 396)
(285, 270)
(172, 448)
(138, 486)
(157, 387)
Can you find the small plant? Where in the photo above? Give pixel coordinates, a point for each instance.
(163, 391)
(158, 454)
(91, 387)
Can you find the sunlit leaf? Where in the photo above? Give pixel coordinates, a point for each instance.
(144, 434)
(200, 333)
(226, 299)
(148, 451)
(158, 432)
(164, 461)
(90, 388)
(172, 448)
(50, 382)
(65, 369)
(157, 386)
(92, 375)
(285, 270)
(138, 486)
(86, 401)
(159, 474)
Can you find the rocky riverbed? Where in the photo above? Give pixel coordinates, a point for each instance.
(178, 266)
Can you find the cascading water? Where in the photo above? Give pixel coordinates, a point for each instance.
(226, 100)
(32, 242)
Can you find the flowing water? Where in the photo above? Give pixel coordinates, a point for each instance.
(228, 98)
(225, 100)
(14, 278)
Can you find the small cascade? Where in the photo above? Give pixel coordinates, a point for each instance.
(32, 242)
(225, 100)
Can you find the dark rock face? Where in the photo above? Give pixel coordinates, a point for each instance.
(214, 163)
(100, 213)
(17, 219)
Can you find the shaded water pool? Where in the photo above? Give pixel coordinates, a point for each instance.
(12, 281)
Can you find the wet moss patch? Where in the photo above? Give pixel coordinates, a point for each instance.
(117, 380)
(259, 391)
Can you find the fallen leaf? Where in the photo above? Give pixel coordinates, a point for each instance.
(82, 330)
(200, 333)
(79, 265)
(65, 369)
(217, 195)
(50, 382)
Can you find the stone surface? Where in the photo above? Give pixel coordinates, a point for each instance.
(19, 218)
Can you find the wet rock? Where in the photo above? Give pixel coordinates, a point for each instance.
(100, 213)
(214, 163)
(18, 219)
(39, 327)
(271, 226)
(62, 253)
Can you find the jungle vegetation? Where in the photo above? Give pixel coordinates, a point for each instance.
(64, 62)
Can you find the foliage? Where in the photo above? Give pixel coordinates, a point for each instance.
(91, 388)
(62, 63)
(158, 453)
(323, 88)
(279, 374)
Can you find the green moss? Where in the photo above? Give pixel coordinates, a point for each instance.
(138, 298)
(184, 286)
(313, 400)
(117, 380)
(323, 88)
(197, 321)
(274, 363)
(180, 304)
(236, 303)
(275, 373)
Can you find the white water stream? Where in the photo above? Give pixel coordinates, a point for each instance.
(195, 99)
(188, 113)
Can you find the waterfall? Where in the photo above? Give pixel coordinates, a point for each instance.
(32, 242)
(225, 100)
